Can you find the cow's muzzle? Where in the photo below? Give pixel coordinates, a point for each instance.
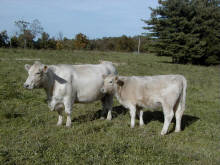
(27, 86)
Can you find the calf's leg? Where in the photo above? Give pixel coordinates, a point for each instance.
(133, 114)
(140, 115)
(178, 114)
(141, 122)
(168, 115)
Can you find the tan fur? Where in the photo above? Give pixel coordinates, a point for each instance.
(167, 91)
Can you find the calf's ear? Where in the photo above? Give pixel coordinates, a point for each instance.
(27, 67)
(104, 76)
(45, 68)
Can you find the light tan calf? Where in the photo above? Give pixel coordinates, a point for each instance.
(168, 91)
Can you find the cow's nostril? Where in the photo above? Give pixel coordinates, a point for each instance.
(26, 85)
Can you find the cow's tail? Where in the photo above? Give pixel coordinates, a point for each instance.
(183, 95)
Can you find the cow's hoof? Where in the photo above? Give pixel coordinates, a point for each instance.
(163, 133)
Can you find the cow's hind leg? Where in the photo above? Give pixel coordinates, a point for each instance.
(168, 116)
(68, 110)
(107, 102)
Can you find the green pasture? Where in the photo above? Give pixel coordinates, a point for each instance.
(29, 135)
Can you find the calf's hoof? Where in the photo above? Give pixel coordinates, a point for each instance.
(59, 124)
(109, 118)
(178, 130)
(68, 125)
(141, 125)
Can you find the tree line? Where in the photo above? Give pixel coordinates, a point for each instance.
(31, 35)
(186, 30)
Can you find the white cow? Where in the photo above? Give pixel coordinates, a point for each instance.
(69, 84)
(168, 91)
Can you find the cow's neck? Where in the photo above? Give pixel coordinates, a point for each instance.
(48, 84)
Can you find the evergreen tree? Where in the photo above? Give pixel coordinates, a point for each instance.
(187, 30)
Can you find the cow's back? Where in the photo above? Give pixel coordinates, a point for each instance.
(88, 80)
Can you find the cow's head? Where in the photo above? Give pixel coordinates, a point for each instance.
(111, 82)
(35, 75)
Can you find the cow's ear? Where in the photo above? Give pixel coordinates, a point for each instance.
(120, 82)
(45, 68)
(27, 67)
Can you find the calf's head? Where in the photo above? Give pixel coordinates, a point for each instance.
(111, 82)
(35, 75)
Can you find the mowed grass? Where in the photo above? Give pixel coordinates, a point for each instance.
(29, 135)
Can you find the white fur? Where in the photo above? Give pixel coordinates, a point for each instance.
(69, 84)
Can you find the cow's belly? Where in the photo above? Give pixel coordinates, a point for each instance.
(88, 96)
(88, 89)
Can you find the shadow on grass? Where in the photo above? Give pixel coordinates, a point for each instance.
(166, 62)
(148, 116)
(118, 110)
(187, 120)
(12, 115)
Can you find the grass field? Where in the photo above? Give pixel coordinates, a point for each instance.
(29, 135)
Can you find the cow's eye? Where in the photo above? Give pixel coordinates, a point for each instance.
(110, 82)
(38, 73)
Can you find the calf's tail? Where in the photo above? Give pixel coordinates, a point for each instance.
(183, 98)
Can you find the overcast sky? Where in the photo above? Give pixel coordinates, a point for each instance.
(95, 18)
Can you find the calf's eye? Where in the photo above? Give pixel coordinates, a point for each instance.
(38, 73)
(110, 82)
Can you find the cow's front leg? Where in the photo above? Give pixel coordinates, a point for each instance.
(133, 114)
(107, 102)
(68, 110)
(52, 104)
(60, 118)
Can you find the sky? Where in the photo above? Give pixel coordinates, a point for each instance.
(94, 18)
